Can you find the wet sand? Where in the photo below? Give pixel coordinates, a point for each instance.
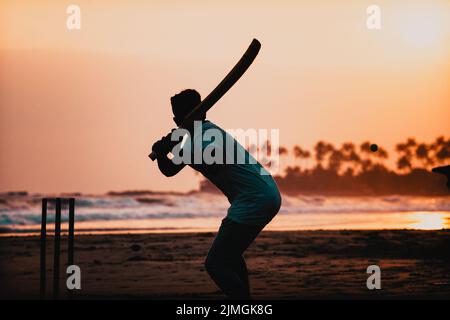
(283, 265)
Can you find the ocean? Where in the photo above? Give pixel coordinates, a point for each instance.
(142, 212)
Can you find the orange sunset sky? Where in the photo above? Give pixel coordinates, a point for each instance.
(80, 109)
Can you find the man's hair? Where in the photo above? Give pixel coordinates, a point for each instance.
(184, 102)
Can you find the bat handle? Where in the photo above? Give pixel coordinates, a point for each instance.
(153, 155)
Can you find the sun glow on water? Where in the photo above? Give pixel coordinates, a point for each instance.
(429, 220)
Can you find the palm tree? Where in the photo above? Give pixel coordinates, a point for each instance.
(300, 153)
(283, 151)
(382, 153)
(335, 161)
(423, 154)
(322, 149)
(350, 156)
(405, 150)
(371, 159)
(441, 148)
(404, 163)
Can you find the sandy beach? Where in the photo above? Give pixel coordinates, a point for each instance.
(283, 265)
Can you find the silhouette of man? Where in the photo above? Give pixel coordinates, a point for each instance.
(250, 189)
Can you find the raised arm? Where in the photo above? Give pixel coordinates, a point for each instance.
(166, 165)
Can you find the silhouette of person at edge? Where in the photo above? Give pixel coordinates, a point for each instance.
(445, 170)
(254, 198)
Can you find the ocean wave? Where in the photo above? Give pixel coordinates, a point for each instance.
(26, 209)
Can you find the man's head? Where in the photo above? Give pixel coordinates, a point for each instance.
(183, 103)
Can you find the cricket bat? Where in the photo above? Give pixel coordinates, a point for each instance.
(230, 79)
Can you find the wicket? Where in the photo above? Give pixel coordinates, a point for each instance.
(56, 255)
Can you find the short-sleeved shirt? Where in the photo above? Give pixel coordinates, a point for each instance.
(250, 189)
